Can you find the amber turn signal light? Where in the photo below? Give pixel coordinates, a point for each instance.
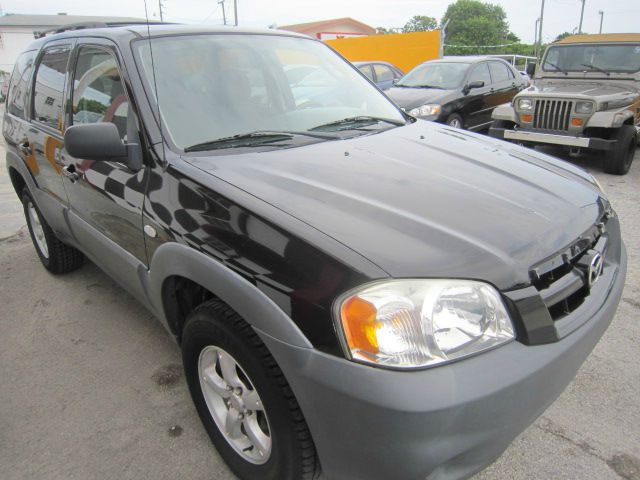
(359, 324)
(526, 118)
(577, 122)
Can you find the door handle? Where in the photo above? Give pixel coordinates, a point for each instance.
(70, 172)
(25, 148)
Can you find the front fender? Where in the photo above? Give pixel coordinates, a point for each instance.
(505, 112)
(246, 299)
(610, 119)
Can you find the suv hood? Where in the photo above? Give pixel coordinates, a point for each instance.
(408, 98)
(426, 200)
(585, 88)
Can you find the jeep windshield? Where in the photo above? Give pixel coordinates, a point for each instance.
(222, 86)
(597, 57)
(440, 75)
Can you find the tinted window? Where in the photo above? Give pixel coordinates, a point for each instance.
(366, 70)
(383, 73)
(499, 72)
(47, 102)
(98, 92)
(435, 75)
(18, 87)
(480, 73)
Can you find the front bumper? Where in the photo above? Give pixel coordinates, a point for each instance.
(446, 422)
(551, 139)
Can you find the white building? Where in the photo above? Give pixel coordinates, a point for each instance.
(17, 31)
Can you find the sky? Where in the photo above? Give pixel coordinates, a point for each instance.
(560, 15)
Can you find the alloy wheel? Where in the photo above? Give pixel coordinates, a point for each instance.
(234, 404)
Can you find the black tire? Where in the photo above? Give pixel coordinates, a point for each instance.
(455, 120)
(58, 258)
(292, 455)
(619, 160)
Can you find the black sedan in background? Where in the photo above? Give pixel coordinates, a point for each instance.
(459, 91)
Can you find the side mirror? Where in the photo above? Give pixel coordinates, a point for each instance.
(531, 69)
(95, 141)
(470, 86)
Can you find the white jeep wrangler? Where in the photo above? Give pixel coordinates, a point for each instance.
(585, 95)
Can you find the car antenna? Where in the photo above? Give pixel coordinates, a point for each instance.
(155, 84)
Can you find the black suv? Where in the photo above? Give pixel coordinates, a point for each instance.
(353, 290)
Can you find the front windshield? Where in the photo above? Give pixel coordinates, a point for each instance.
(217, 86)
(437, 75)
(593, 57)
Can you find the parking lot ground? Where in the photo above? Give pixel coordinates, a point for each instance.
(91, 385)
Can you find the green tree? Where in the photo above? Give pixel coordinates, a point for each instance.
(476, 24)
(563, 35)
(420, 23)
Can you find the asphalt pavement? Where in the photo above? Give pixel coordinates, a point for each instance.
(91, 385)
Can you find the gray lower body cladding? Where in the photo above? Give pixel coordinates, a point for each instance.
(447, 422)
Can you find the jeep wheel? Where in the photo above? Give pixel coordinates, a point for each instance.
(56, 257)
(243, 399)
(621, 156)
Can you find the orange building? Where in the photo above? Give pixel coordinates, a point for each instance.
(331, 29)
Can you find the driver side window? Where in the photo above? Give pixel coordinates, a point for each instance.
(98, 91)
(481, 73)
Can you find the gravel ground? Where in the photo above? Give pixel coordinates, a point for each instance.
(92, 387)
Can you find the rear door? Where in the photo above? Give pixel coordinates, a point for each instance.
(504, 83)
(105, 197)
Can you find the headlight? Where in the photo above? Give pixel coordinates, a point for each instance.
(426, 110)
(525, 104)
(418, 323)
(584, 107)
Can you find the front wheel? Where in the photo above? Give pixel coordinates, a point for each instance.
(618, 162)
(243, 399)
(454, 120)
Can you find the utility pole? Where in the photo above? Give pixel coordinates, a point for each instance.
(540, 31)
(224, 15)
(601, 13)
(443, 37)
(160, 7)
(235, 11)
(581, 17)
(535, 38)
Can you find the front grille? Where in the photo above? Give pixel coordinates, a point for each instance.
(562, 281)
(552, 115)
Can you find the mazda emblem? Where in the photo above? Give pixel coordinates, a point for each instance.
(595, 269)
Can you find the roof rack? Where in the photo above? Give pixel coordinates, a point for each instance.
(84, 25)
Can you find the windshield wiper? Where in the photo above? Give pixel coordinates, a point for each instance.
(593, 67)
(547, 62)
(254, 139)
(430, 86)
(351, 123)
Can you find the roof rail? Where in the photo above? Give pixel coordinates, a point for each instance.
(83, 25)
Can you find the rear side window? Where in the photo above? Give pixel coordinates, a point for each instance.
(499, 72)
(383, 73)
(49, 86)
(19, 84)
(98, 91)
